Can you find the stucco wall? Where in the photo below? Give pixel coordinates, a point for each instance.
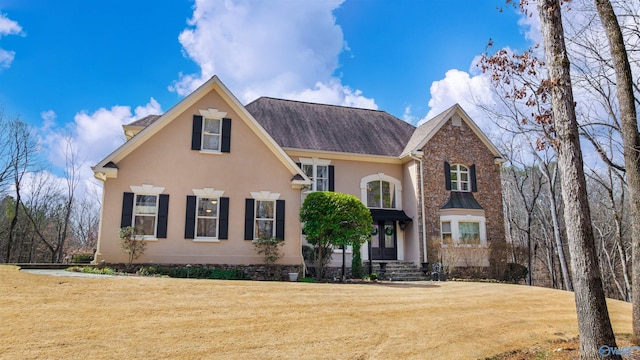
(166, 160)
(348, 175)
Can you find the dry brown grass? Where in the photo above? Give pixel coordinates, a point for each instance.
(46, 317)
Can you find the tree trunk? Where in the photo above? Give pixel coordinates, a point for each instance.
(594, 324)
(630, 138)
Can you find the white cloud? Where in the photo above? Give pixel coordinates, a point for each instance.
(284, 48)
(8, 27)
(462, 88)
(48, 118)
(92, 136)
(6, 58)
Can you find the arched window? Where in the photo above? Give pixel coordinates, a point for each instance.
(381, 194)
(381, 191)
(460, 178)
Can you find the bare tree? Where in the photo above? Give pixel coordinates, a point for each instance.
(630, 137)
(20, 157)
(594, 323)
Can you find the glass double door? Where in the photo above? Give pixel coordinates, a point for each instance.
(384, 241)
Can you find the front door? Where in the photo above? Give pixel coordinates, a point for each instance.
(384, 241)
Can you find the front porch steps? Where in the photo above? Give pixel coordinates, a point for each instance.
(397, 270)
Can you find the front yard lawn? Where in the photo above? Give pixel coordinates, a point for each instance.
(164, 318)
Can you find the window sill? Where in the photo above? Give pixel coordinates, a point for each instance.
(206, 240)
(149, 239)
(211, 152)
(466, 246)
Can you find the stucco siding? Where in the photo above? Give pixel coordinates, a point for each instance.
(166, 160)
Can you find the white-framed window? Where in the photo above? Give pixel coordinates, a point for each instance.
(207, 218)
(463, 230)
(469, 232)
(460, 178)
(380, 191)
(319, 175)
(381, 194)
(318, 171)
(145, 214)
(445, 231)
(211, 134)
(265, 218)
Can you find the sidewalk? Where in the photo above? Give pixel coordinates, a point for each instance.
(64, 273)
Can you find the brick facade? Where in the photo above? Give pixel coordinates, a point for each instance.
(460, 145)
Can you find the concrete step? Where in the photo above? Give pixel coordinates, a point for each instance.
(398, 271)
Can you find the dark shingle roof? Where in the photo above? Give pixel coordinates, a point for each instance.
(145, 121)
(302, 125)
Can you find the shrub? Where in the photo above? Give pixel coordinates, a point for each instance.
(82, 258)
(92, 270)
(356, 263)
(515, 272)
(131, 242)
(270, 249)
(206, 273)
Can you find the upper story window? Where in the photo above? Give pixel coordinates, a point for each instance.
(211, 132)
(381, 194)
(380, 191)
(460, 178)
(320, 172)
(319, 175)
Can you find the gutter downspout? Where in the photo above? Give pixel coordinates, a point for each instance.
(417, 156)
(304, 263)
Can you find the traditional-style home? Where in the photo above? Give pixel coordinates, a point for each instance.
(211, 175)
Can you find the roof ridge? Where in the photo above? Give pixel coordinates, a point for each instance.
(317, 103)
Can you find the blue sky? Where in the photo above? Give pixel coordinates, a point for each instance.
(80, 69)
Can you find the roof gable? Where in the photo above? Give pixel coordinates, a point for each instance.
(153, 125)
(320, 127)
(426, 131)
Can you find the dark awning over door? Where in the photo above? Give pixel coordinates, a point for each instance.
(389, 215)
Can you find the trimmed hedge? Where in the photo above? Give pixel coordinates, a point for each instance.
(193, 273)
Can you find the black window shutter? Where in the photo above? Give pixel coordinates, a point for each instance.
(196, 133)
(127, 209)
(472, 174)
(280, 219)
(226, 136)
(163, 216)
(249, 211)
(190, 218)
(447, 175)
(332, 186)
(223, 219)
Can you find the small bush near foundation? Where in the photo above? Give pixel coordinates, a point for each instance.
(92, 270)
(192, 272)
(81, 258)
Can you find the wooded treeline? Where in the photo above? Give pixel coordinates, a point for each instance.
(533, 202)
(43, 217)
